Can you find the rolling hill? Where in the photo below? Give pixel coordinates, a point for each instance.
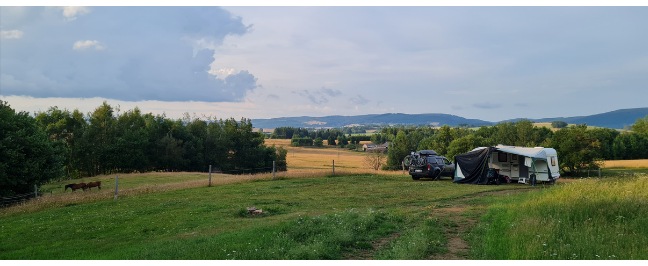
(615, 119)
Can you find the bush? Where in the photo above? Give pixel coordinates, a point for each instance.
(558, 124)
(318, 142)
(299, 142)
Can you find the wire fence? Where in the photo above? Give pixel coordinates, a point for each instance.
(244, 171)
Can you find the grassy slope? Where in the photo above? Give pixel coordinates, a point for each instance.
(583, 220)
(206, 222)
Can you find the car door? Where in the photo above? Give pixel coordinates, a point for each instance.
(449, 168)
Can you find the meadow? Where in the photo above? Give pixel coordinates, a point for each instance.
(308, 213)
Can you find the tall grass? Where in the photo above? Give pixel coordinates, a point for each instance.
(585, 220)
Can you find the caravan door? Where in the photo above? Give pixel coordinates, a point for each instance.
(515, 166)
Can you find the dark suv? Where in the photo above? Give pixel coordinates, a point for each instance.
(427, 163)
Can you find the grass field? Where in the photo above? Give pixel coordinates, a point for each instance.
(309, 214)
(312, 218)
(626, 164)
(584, 220)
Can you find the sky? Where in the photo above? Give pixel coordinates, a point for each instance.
(488, 62)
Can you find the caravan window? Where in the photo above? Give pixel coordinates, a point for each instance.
(502, 157)
(553, 161)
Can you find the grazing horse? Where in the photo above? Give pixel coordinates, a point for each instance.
(94, 184)
(76, 186)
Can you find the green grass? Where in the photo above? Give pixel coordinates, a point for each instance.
(340, 217)
(585, 220)
(344, 214)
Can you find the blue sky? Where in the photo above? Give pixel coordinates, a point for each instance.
(490, 63)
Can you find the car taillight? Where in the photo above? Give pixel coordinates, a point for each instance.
(429, 167)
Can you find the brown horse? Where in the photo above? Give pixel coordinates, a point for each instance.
(76, 186)
(94, 184)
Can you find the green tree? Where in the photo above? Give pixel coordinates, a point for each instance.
(577, 148)
(641, 126)
(318, 142)
(397, 151)
(64, 129)
(99, 149)
(464, 144)
(558, 124)
(131, 142)
(27, 157)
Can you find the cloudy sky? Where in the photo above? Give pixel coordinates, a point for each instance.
(490, 63)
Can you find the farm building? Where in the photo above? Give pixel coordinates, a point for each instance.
(376, 147)
(518, 164)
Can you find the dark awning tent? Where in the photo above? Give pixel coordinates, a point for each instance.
(473, 166)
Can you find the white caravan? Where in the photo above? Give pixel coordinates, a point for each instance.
(518, 163)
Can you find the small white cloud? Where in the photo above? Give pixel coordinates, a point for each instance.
(87, 44)
(71, 12)
(222, 73)
(11, 34)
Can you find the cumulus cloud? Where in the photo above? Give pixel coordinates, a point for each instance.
(87, 44)
(71, 12)
(11, 34)
(156, 58)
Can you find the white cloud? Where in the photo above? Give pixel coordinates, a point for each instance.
(71, 12)
(87, 44)
(222, 73)
(11, 34)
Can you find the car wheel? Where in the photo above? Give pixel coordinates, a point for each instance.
(415, 177)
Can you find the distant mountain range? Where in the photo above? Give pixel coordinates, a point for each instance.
(615, 119)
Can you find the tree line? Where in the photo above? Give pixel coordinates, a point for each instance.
(315, 137)
(60, 144)
(579, 147)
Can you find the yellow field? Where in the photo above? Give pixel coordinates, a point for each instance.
(626, 163)
(317, 160)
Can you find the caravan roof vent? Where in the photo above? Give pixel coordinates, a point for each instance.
(539, 147)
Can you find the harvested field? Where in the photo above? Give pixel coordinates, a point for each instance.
(643, 163)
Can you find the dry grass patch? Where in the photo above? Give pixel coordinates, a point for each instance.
(626, 163)
(322, 158)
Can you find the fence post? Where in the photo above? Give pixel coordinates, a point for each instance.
(210, 171)
(403, 164)
(333, 167)
(35, 191)
(274, 170)
(116, 186)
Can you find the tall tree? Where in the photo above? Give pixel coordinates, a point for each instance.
(397, 151)
(577, 147)
(641, 126)
(27, 157)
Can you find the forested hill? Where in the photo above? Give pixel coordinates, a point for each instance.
(615, 119)
(372, 119)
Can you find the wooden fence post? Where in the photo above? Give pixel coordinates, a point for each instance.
(274, 170)
(35, 191)
(116, 186)
(333, 167)
(210, 171)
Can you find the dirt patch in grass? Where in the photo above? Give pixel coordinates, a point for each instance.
(368, 254)
(460, 217)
